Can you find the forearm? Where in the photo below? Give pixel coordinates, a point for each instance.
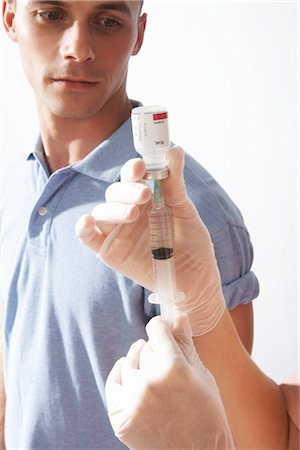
(242, 317)
(2, 398)
(253, 402)
(2, 415)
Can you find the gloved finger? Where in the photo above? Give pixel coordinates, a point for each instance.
(114, 376)
(131, 364)
(92, 229)
(112, 213)
(128, 193)
(132, 358)
(88, 233)
(133, 170)
(113, 387)
(149, 360)
(161, 338)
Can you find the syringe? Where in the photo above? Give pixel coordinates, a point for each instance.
(151, 140)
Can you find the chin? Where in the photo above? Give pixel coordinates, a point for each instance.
(73, 115)
(76, 113)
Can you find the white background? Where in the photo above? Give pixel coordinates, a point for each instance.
(228, 72)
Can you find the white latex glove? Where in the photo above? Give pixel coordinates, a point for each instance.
(160, 396)
(118, 232)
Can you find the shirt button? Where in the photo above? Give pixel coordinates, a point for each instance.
(42, 211)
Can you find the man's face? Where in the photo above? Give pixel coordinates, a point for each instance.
(75, 53)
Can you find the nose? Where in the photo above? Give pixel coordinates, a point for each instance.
(77, 43)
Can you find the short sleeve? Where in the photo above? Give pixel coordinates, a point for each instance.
(234, 254)
(232, 243)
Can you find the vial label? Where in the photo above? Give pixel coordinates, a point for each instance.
(160, 116)
(150, 130)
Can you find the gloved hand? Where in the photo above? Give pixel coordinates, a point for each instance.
(118, 232)
(160, 396)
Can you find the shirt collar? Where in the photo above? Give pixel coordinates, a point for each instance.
(105, 161)
(39, 155)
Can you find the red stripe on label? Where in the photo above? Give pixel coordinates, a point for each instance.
(160, 116)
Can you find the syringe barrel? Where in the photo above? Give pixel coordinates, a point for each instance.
(161, 236)
(165, 287)
(161, 233)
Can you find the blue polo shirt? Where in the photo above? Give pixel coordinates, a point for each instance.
(68, 317)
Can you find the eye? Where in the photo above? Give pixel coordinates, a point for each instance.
(50, 16)
(111, 23)
(107, 22)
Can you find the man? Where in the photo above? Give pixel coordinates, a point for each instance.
(68, 317)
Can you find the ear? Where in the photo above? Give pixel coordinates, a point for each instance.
(8, 18)
(141, 31)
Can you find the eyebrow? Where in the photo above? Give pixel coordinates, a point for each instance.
(115, 6)
(33, 3)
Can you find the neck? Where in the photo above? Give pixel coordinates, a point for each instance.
(67, 141)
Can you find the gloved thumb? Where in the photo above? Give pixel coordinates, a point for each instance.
(183, 335)
(174, 186)
(182, 328)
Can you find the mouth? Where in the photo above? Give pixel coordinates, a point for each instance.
(74, 84)
(74, 80)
